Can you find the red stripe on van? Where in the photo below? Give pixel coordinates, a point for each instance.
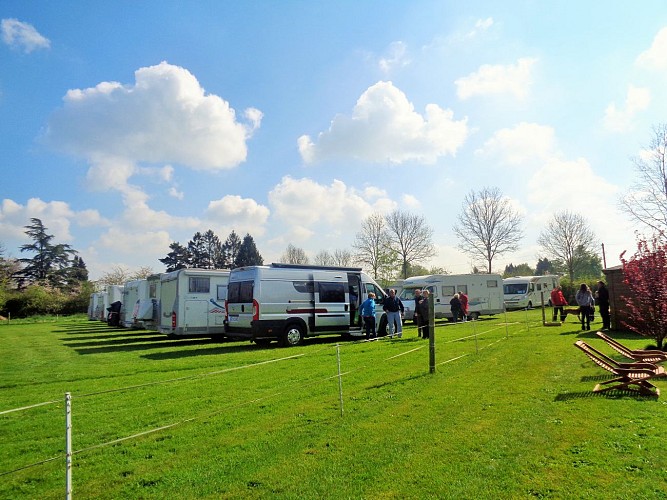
(306, 311)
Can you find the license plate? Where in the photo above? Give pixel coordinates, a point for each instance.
(233, 319)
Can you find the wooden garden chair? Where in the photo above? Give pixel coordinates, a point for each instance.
(627, 374)
(642, 355)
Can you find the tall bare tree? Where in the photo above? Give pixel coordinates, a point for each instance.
(646, 200)
(371, 244)
(294, 255)
(410, 237)
(342, 257)
(568, 238)
(323, 258)
(488, 226)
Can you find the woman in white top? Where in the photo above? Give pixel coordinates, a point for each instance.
(585, 300)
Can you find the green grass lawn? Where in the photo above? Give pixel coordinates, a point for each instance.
(509, 413)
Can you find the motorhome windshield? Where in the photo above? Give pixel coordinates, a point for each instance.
(408, 293)
(515, 288)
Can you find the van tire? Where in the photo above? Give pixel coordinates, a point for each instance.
(474, 316)
(382, 329)
(293, 335)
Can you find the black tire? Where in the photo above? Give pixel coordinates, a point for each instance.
(474, 316)
(382, 328)
(293, 335)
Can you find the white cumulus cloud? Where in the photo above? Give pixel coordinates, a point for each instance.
(655, 57)
(244, 215)
(396, 57)
(489, 79)
(22, 36)
(621, 120)
(384, 127)
(165, 116)
(523, 143)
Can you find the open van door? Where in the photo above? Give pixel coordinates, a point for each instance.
(332, 303)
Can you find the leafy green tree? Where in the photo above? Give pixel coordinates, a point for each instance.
(248, 254)
(518, 270)
(544, 266)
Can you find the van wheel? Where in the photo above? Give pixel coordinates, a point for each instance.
(382, 329)
(293, 335)
(474, 316)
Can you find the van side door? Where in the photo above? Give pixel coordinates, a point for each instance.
(332, 307)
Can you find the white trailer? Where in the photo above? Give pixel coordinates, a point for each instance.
(288, 302)
(526, 291)
(192, 302)
(101, 303)
(484, 291)
(93, 305)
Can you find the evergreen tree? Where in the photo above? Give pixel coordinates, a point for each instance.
(50, 263)
(248, 255)
(544, 266)
(178, 258)
(231, 249)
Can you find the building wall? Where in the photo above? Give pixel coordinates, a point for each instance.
(617, 290)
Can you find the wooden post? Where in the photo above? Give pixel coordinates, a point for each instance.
(68, 446)
(431, 334)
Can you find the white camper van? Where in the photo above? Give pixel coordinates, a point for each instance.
(147, 310)
(288, 302)
(192, 302)
(133, 291)
(526, 291)
(484, 291)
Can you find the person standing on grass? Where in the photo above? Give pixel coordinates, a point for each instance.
(394, 309)
(558, 302)
(367, 312)
(585, 300)
(424, 318)
(455, 306)
(415, 317)
(603, 304)
(464, 305)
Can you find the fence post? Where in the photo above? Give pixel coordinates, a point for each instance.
(68, 446)
(340, 380)
(431, 334)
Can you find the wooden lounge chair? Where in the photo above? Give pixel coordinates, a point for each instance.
(627, 374)
(644, 355)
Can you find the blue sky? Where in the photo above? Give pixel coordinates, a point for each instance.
(125, 125)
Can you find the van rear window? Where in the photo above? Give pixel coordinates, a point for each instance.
(240, 292)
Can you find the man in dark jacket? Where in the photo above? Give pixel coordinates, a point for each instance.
(424, 314)
(602, 301)
(393, 306)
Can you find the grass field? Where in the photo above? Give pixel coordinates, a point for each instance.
(509, 413)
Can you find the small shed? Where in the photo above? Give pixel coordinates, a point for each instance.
(617, 290)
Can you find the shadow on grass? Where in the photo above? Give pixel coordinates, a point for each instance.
(611, 394)
(127, 334)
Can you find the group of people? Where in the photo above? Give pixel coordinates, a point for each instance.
(586, 302)
(393, 307)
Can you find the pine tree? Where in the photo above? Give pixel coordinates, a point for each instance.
(248, 254)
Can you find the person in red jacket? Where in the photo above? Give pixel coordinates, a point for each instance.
(558, 301)
(464, 305)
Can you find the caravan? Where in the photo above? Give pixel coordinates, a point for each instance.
(526, 291)
(484, 291)
(192, 302)
(288, 302)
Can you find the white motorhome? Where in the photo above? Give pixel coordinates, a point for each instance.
(133, 291)
(526, 291)
(484, 291)
(288, 302)
(92, 306)
(147, 310)
(192, 302)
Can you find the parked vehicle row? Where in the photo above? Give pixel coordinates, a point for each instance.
(287, 303)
